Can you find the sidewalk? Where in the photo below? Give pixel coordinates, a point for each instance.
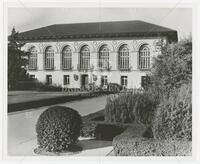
(22, 100)
(90, 148)
(22, 135)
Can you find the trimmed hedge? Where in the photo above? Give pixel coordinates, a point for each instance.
(58, 128)
(130, 106)
(131, 143)
(95, 126)
(101, 130)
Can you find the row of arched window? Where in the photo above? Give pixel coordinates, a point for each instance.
(84, 59)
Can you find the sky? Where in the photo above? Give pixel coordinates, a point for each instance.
(24, 19)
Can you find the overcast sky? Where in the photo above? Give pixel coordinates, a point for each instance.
(24, 19)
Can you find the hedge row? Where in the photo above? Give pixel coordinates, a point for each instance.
(102, 130)
(130, 106)
(131, 143)
(95, 126)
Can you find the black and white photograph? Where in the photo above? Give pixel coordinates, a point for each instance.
(99, 81)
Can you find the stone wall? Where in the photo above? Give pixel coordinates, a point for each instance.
(134, 75)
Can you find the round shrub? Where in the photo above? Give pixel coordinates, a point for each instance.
(58, 128)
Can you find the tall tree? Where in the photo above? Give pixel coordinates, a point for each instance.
(173, 67)
(17, 61)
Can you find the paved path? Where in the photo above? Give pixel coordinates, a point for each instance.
(21, 128)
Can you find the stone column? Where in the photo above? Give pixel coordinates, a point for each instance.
(113, 60)
(57, 61)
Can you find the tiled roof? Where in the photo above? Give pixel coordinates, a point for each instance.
(98, 30)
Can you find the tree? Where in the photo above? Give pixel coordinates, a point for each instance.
(17, 61)
(173, 67)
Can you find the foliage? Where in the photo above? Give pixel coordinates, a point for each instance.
(17, 61)
(102, 130)
(127, 145)
(171, 83)
(45, 87)
(58, 128)
(173, 67)
(130, 106)
(95, 126)
(107, 131)
(173, 117)
(88, 129)
(114, 87)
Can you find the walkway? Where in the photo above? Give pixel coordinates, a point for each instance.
(22, 136)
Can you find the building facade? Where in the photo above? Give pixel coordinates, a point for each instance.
(74, 55)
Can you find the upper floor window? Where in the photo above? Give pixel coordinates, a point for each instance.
(85, 57)
(66, 58)
(32, 58)
(49, 58)
(144, 57)
(123, 57)
(104, 57)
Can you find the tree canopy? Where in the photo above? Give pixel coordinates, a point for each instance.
(17, 61)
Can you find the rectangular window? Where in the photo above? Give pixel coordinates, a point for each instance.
(49, 79)
(124, 81)
(145, 81)
(66, 80)
(104, 80)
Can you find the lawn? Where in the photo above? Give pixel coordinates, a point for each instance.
(25, 96)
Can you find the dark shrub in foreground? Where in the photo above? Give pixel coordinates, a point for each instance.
(58, 128)
(173, 117)
(130, 106)
(107, 131)
(101, 130)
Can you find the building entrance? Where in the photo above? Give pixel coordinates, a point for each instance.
(84, 80)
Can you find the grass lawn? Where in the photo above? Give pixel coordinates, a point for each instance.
(25, 96)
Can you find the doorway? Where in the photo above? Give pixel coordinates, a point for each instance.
(84, 80)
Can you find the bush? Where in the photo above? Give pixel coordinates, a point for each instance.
(25, 85)
(150, 147)
(130, 106)
(101, 130)
(173, 117)
(58, 128)
(114, 87)
(131, 143)
(107, 131)
(173, 67)
(88, 129)
(95, 126)
(44, 87)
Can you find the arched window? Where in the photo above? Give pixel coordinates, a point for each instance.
(66, 58)
(123, 57)
(144, 57)
(49, 58)
(85, 57)
(104, 57)
(32, 58)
